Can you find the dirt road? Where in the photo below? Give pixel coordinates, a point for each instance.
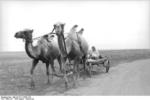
(131, 78)
(125, 79)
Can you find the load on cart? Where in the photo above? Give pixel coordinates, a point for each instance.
(94, 58)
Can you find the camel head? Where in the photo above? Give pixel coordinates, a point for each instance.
(25, 34)
(75, 26)
(59, 28)
(81, 31)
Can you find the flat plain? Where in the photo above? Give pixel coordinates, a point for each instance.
(128, 75)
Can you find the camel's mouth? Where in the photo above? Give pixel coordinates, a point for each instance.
(75, 26)
(16, 36)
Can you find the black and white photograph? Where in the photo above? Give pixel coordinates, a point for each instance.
(74, 48)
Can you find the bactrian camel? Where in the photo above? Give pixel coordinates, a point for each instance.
(45, 51)
(73, 29)
(74, 47)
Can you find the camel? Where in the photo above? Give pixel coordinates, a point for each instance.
(73, 29)
(45, 51)
(74, 47)
(81, 31)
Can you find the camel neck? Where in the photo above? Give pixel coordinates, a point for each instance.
(30, 49)
(62, 45)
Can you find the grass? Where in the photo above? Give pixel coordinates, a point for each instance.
(120, 56)
(15, 71)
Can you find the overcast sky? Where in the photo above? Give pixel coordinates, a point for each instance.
(107, 24)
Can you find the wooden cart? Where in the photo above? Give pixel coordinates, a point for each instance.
(91, 62)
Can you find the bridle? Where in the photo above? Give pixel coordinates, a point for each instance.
(31, 40)
(45, 34)
(62, 35)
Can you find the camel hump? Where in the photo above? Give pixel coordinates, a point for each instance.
(49, 43)
(73, 29)
(48, 37)
(81, 31)
(59, 23)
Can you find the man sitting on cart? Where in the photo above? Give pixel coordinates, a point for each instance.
(94, 58)
(94, 54)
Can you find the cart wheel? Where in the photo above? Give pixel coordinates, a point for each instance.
(107, 65)
(88, 69)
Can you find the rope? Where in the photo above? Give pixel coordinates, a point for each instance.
(43, 35)
(79, 42)
(64, 42)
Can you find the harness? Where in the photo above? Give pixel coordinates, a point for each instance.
(43, 35)
(64, 42)
(79, 42)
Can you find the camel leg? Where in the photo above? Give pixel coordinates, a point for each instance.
(76, 72)
(66, 81)
(64, 72)
(84, 62)
(107, 65)
(47, 72)
(34, 63)
(84, 65)
(52, 65)
(60, 63)
(53, 69)
(77, 68)
(76, 75)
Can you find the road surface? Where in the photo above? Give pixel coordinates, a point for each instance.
(125, 79)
